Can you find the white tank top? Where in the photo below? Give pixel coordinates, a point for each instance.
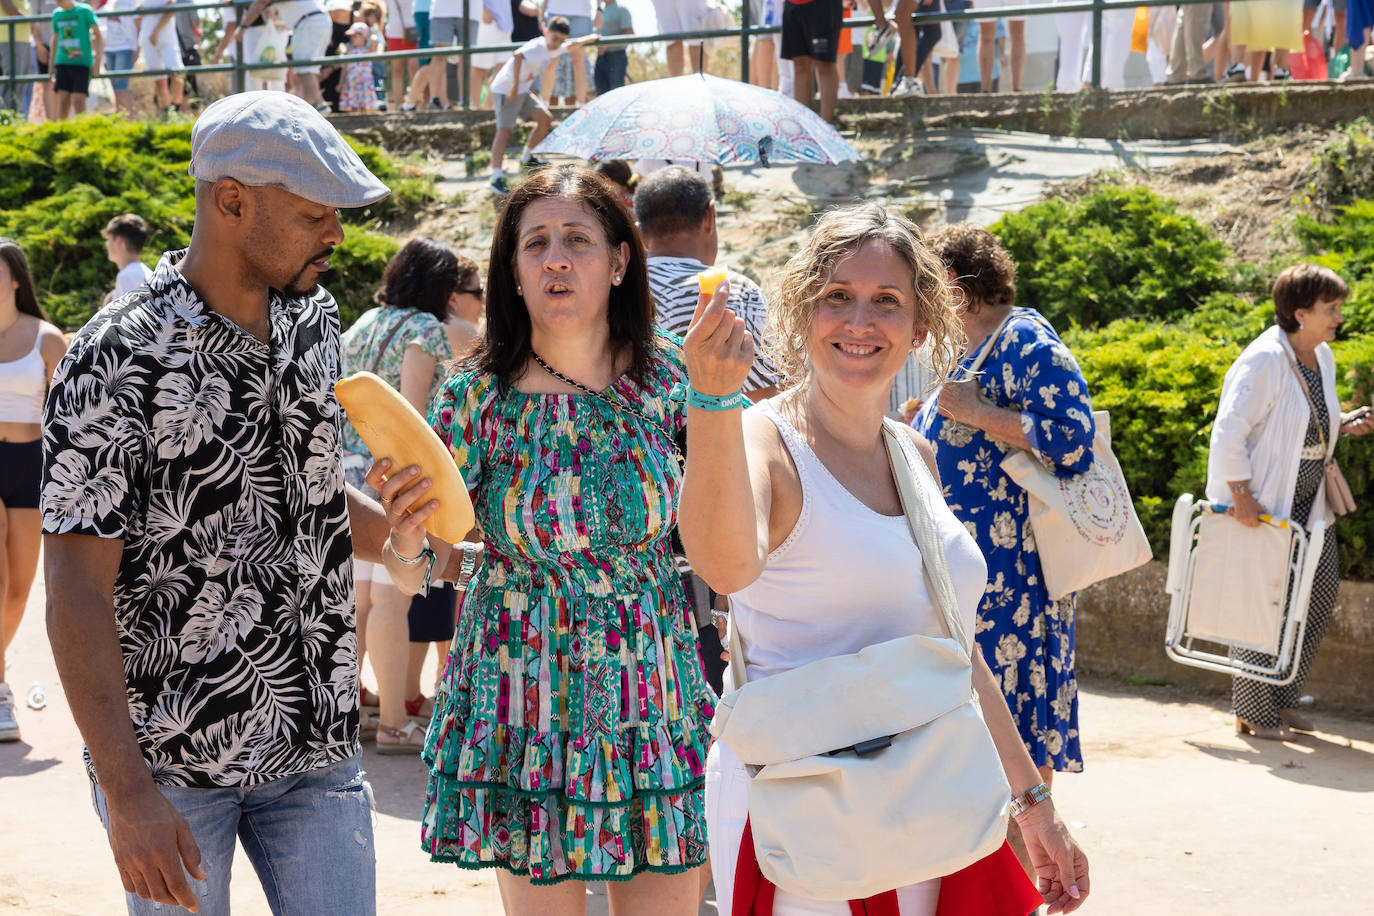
(23, 382)
(848, 577)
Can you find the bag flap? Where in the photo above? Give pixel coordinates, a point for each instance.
(883, 689)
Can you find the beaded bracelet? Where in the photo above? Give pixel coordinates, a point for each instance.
(712, 402)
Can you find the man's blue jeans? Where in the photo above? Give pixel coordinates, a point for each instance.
(609, 72)
(308, 836)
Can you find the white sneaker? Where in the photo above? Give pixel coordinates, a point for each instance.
(908, 85)
(9, 725)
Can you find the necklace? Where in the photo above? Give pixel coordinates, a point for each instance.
(614, 402)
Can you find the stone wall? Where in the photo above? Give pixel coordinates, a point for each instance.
(1121, 635)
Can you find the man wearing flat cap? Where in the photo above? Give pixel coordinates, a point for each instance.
(197, 540)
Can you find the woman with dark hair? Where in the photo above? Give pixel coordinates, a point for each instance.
(570, 732)
(1276, 428)
(619, 173)
(30, 349)
(466, 311)
(404, 340)
(1028, 395)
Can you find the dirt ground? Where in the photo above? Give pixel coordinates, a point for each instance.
(1243, 189)
(1177, 814)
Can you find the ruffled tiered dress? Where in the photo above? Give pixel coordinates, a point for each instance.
(570, 733)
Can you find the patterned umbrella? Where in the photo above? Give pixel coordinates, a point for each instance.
(699, 117)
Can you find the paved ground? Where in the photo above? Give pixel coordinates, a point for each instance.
(1178, 815)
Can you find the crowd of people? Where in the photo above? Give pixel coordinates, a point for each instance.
(815, 57)
(222, 551)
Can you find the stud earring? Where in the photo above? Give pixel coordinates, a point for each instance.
(617, 278)
(1302, 324)
(519, 291)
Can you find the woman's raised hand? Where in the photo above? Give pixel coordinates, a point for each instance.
(718, 348)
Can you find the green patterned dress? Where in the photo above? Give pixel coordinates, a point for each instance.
(570, 732)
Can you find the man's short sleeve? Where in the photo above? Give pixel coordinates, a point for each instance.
(94, 440)
(753, 308)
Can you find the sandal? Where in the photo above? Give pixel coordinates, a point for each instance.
(367, 700)
(408, 739)
(367, 725)
(421, 708)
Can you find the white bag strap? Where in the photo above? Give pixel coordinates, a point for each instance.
(923, 531)
(934, 564)
(987, 347)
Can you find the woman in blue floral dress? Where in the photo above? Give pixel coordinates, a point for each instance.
(570, 733)
(1030, 395)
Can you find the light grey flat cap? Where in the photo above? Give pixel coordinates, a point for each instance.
(275, 139)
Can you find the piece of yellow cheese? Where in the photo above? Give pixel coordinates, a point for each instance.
(708, 280)
(392, 428)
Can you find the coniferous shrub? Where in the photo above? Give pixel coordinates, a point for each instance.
(1115, 253)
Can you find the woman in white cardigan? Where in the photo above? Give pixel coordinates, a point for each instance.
(1275, 430)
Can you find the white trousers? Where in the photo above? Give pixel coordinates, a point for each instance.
(1117, 26)
(1073, 36)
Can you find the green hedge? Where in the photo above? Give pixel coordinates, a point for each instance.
(1114, 253)
(63, 182)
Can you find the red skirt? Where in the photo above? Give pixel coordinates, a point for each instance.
(995, 886)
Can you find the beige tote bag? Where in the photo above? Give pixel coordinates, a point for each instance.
(875, 770)
(1086, 528)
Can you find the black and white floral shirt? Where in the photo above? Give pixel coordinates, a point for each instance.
(215, 458)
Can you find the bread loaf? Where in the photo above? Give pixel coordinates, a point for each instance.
(392, 428)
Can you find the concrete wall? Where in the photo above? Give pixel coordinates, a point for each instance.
(1163, 113)
(1121, 634)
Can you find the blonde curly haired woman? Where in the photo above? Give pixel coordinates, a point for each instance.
(792, 509)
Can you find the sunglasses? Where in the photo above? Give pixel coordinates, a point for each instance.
(473, 292)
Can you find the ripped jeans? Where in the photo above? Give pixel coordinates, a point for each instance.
(308, 836)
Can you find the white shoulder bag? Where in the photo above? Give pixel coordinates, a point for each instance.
(875, 770)
(1086, 528)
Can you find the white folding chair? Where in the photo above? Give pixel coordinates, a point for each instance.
(1229, 588)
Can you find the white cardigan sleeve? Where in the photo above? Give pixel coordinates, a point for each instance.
(1247, 398)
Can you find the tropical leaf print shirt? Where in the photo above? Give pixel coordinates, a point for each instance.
(215, 459)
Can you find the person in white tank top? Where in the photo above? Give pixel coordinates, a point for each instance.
(791, 507)
(30, 349)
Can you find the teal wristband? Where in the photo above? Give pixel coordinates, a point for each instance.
(694, 398)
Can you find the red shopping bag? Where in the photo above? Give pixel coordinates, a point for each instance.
(1311, 63)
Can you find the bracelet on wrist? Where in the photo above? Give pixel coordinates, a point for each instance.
(712, 402)
(426, 554)
(1240, 487)
(425, 551)
(1020, 804)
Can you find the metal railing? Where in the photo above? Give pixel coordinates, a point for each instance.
(744, 32)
